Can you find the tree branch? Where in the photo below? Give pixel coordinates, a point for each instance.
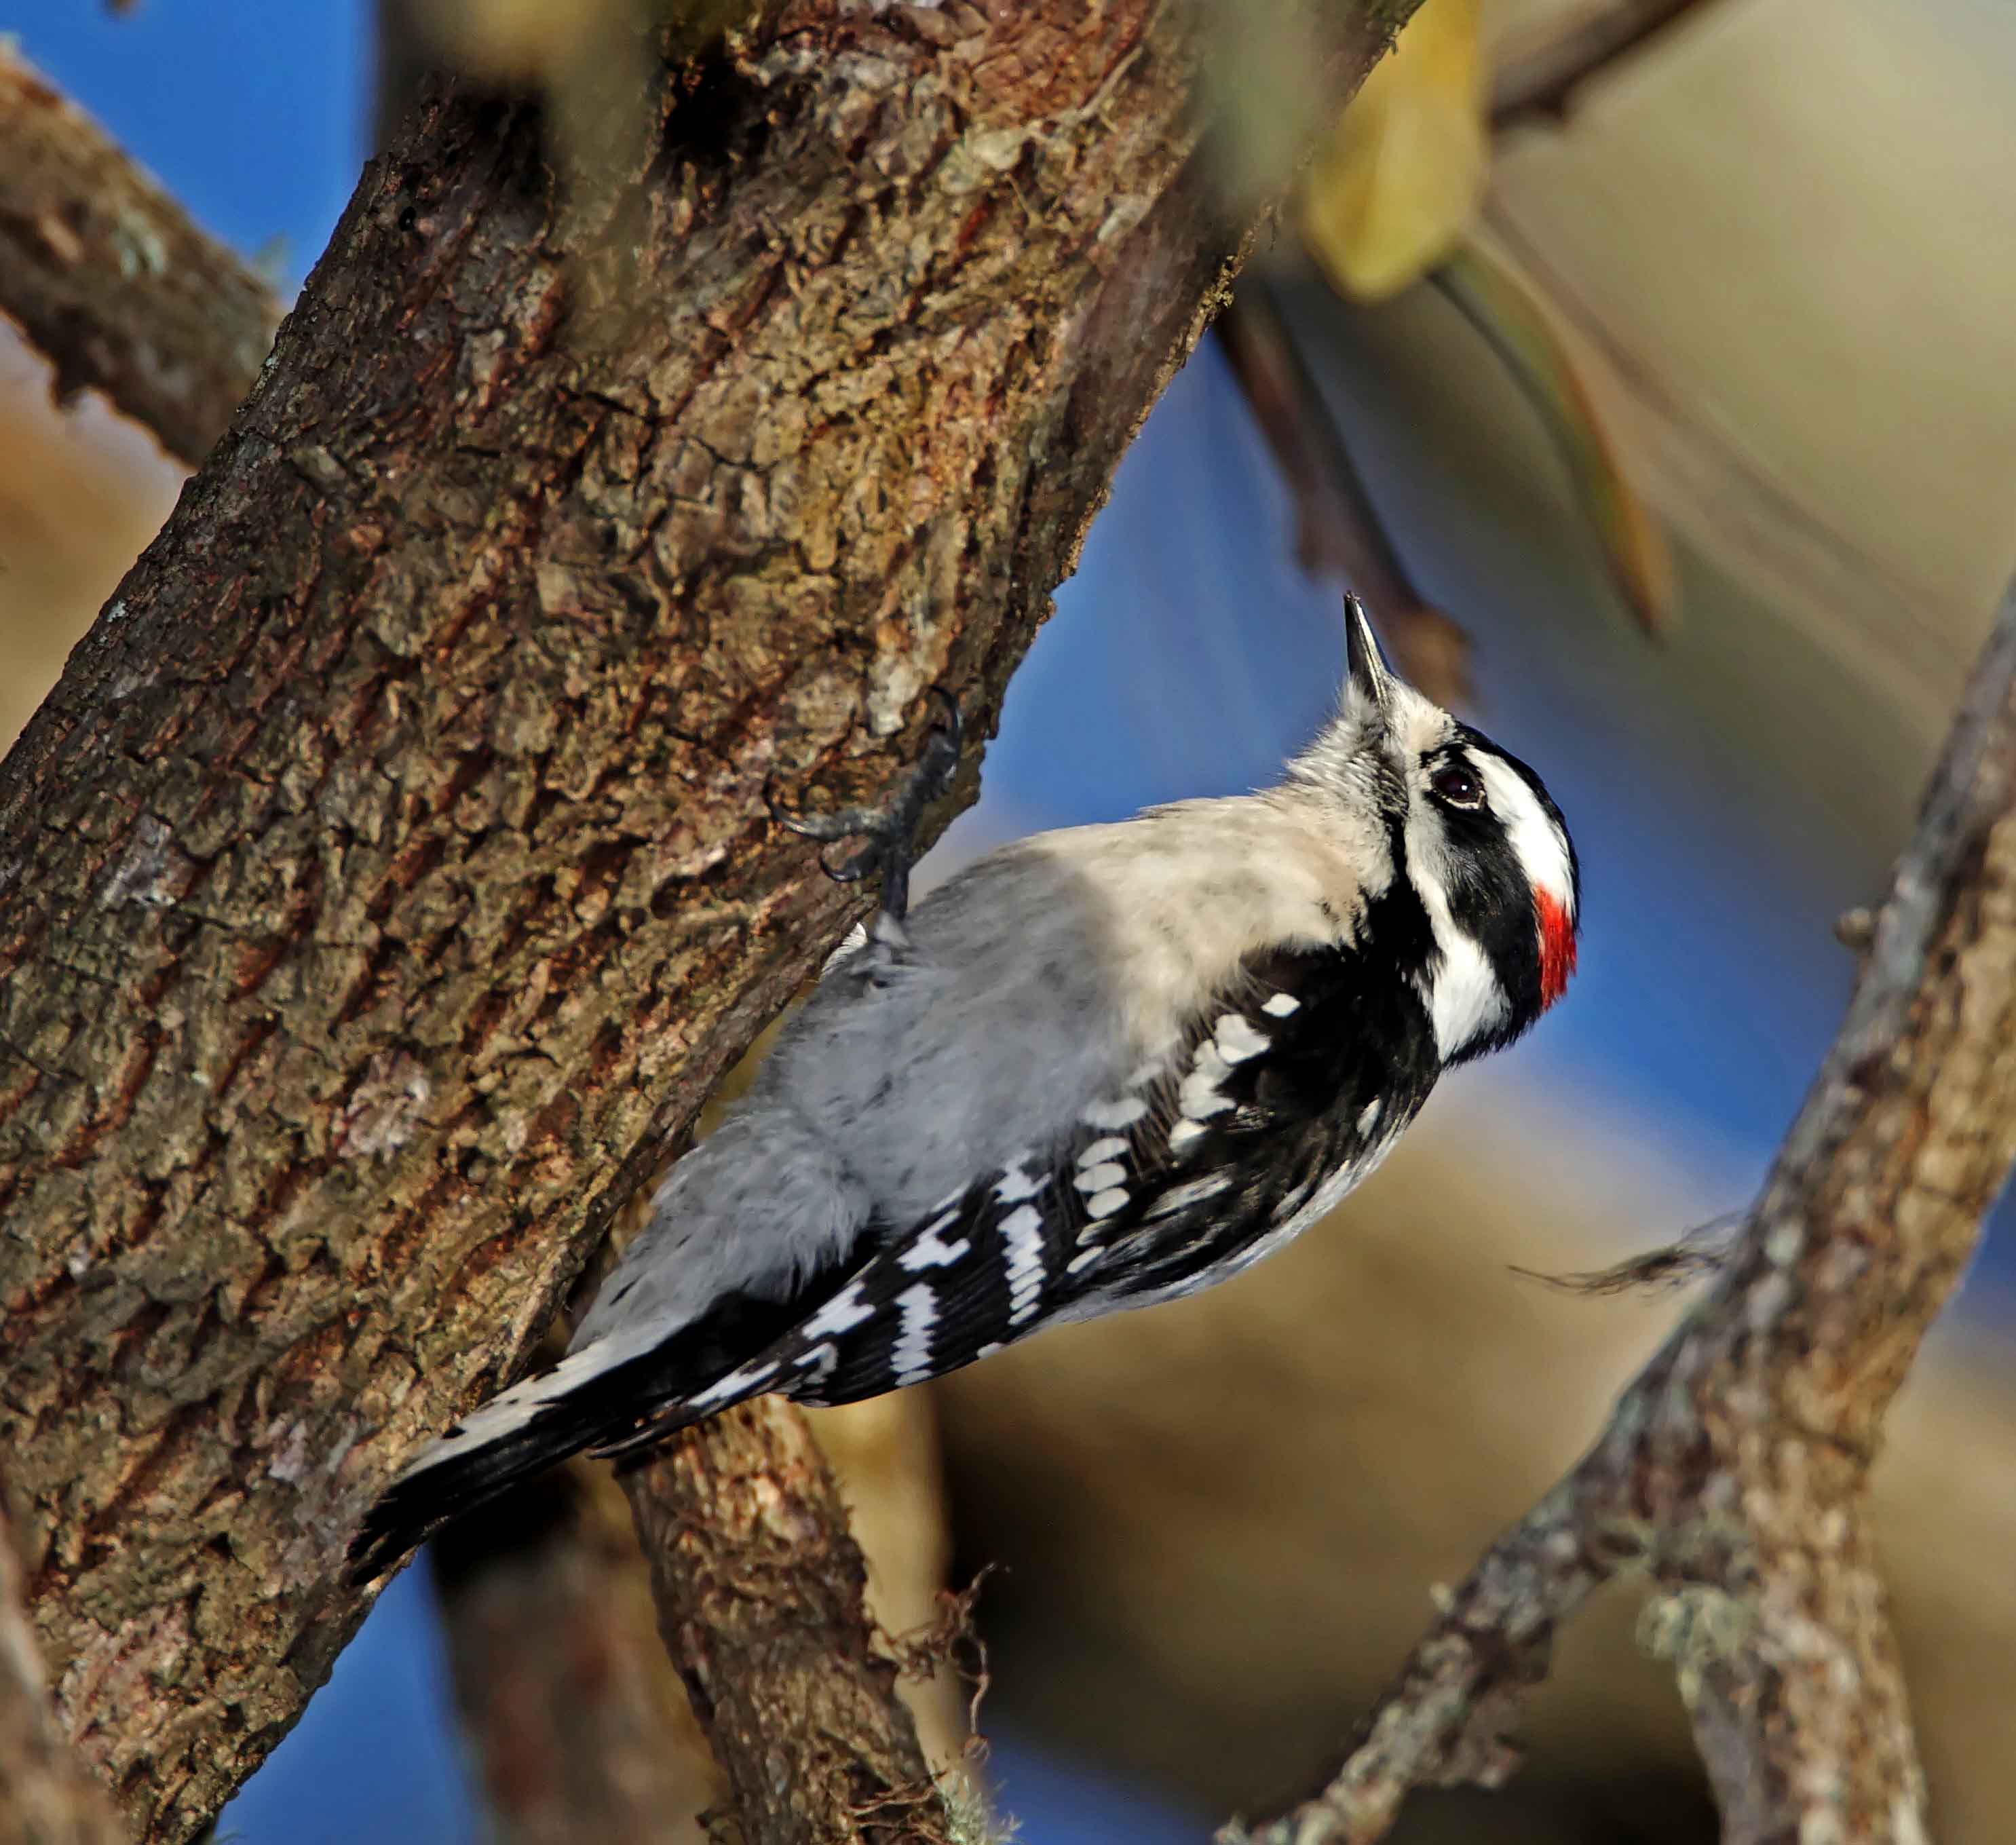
(1545, 79)
(1734, 1470)
(581, 1729)
(1338, 528)
(46, 1798)
(111, 281)
(388, 881)
(759, 1585)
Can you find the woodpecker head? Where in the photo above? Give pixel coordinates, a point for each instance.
(1476, 850)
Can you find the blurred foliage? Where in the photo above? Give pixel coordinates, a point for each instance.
(544, 43)
(1392, 199)
(1787, 227)
(520, 42)
(1400, 176)
(1566, 388)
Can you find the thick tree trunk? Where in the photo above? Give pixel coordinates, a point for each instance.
(388, 881)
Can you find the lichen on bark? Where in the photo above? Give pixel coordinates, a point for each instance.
(387, 880)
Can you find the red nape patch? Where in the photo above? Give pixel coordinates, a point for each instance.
(1558, 947)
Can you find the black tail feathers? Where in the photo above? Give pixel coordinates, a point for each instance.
(458, 1479)
(617, 1412)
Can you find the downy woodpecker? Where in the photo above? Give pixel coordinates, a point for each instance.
(1099, 1068)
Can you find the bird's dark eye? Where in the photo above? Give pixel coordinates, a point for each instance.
(1457, 785)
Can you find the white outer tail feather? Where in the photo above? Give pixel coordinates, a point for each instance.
(504, 1416)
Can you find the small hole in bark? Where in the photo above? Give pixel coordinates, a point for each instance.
(720, 119)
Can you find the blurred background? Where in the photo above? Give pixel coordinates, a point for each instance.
(1651, 368)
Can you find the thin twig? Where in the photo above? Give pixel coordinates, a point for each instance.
(1339, 530)
(1546, 80)
(1701, 1252)
(1733, 1473)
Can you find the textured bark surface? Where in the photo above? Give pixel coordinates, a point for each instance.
(111, 281)
(387, 880)
(582, 1732)
(1734, 1472)
(739, 1523)
(46, 1798)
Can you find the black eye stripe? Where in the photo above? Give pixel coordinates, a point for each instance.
(1477, 741)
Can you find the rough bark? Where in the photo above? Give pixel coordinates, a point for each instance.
(111, 281)
(1734, 1471)
(387, 880)
(582, 1732)
(759, 1588)
(46, 1798)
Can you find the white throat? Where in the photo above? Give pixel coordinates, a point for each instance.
(1462, 993)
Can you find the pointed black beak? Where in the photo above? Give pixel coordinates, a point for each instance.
(1369, 675)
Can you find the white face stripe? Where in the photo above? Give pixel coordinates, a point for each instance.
(1543, 850)
(1463, 997)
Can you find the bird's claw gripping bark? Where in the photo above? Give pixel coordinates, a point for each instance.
(889, 831)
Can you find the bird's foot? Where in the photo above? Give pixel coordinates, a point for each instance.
(889, 831)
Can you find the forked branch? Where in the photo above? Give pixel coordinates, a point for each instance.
(385, 881)
(1734, 1470)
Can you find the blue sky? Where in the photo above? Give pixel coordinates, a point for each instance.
(252, 114)
(1188, 653)
(1187, 657)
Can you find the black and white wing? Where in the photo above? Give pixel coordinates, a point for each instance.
(1276, 1103)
